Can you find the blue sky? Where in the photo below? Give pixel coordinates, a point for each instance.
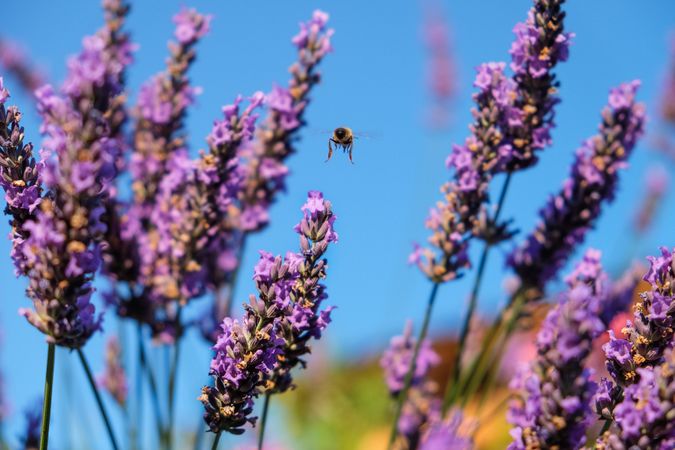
(374, 81)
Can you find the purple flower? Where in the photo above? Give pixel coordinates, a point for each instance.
(643, 416)
(265, 171)
(593, 180)
(19, 178)
(61, 242)
(512, 119)
(190, 26)
(651, 330)
(448, 434)
(421, 405)
(257, 353)
(556, 390)
(396, 360)
(30, 439)
(114, 378)
(161, 109)
(304, 320)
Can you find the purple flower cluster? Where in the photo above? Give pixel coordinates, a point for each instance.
(114, 378)
(554, 410)
(512, 119)
(161, 109)
(194, 210)
(448, 434)
(19, 177)
(264, 160)
(60, 244)
(639, 398)
(651, 330)
(422, 406)
(569, 215)
(257, 353)
(159, 145)
(30, 440)
(644, 416)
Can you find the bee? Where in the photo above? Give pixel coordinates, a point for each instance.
(343, 138)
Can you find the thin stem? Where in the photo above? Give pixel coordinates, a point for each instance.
(99, 401)
(603, 430)
(451, 389)
(402, 396)
(173, 375)
(216, 440)
(503, 332)
(263, 420)
(154, 392)
(47, 399)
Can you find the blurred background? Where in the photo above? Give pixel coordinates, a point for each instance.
(402, 73)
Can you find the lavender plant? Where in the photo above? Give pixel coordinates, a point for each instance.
(554, 410)
(114, 377)
(422, 406)
(255, 355)
(570, 214)
(644, 416)
(512, 120)
(647, 339)
(263, 161)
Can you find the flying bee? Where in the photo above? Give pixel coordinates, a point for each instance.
(343, 138)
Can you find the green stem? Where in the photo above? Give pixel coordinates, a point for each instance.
(154, 392)
(99, 401)
(263, 420)
(216, 440)
(451, 389)
(402, 396)
(173, 375)
(504, 328)
(47, 399)
(603, 430)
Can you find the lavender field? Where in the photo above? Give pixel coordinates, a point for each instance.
(310, 225)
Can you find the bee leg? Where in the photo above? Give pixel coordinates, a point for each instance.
(330, 150)
(351, 147)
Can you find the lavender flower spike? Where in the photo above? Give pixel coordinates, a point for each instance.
(19, 177)
(644, 416)
(651, 331)
(114, 378)
(569, 215)
(30, 440)
(256, 354)
(422, 406)
(554, 411)
(162, 105)
(448, 434)
(512, 118)
(265, 169)
(303, 318)
(62, 250)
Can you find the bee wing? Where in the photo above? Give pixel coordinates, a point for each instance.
(320, 131)
(366, 134)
